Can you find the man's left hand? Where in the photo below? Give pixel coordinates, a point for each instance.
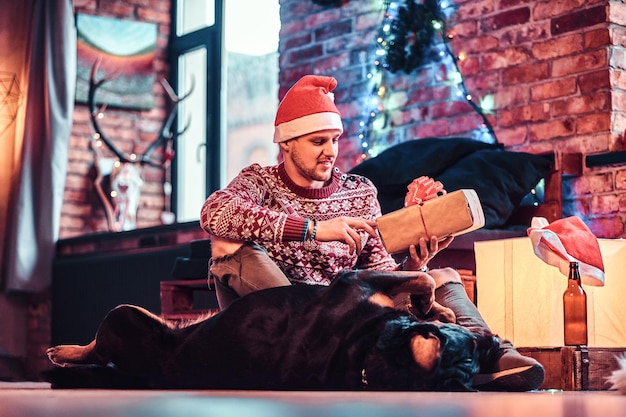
(418, 259)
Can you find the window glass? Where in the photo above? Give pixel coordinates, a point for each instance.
(251, 85)
(194, 15)
(191, 152)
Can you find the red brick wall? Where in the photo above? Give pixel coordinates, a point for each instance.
(82, 211)
(555, 70)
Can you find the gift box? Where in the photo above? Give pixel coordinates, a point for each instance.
(521, 297)
(451, 214)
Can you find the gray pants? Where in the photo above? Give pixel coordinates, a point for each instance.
(247, 270)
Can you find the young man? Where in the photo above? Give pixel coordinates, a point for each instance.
(302, 221)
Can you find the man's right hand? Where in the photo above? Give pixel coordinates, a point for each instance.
(346, 230)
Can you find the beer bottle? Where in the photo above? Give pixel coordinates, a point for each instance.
(574, 309)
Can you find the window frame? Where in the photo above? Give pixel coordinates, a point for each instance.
(211, 39)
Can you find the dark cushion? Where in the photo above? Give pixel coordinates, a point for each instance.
(402, 163)
(501, 179)
(392, 170)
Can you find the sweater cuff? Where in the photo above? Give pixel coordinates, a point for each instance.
(293, 228)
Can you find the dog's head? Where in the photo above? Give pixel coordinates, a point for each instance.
(463, 353)
(413, 355)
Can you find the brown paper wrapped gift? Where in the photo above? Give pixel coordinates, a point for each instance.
(451, 214)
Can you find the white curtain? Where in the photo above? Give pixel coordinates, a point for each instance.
(45, 31)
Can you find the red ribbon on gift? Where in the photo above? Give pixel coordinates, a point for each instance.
(422, 189)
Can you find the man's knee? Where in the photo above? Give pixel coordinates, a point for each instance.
(444, 275)
(221, 247)
(247, 269)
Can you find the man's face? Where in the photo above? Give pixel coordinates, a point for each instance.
(309, 159)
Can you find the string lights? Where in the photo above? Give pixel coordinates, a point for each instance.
(412, 35)
(374, 103)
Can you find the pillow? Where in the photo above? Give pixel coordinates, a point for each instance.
(392, 170)
(501, 179)
(402, 163)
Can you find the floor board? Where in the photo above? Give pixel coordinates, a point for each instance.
(38, 400)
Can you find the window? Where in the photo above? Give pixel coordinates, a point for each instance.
(191, 149)
(194, 14)
(230, 115)
(196, 60)
(251, 68)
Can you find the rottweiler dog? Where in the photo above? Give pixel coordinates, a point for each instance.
(347, 336)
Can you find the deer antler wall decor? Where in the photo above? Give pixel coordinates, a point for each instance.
(124, 171)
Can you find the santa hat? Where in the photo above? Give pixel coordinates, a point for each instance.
(307, 107)
(568, 240)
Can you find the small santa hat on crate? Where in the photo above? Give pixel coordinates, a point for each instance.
(308, 106)
(568, 240)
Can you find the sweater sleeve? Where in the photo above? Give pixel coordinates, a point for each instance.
(374, 255)
(237, 212)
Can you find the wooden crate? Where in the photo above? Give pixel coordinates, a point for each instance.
(177, 299)
(469, 281)
(575, 368)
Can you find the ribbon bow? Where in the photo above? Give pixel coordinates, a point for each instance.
(422, 189)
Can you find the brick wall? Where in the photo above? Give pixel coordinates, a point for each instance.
(554, 69)
(82, 211)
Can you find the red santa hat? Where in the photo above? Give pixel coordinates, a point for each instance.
(307, 107)
(565, 240)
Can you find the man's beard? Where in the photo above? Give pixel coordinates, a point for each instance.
(310, 173)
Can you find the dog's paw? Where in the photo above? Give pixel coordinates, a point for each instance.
(439, 313)
(443, 314)
(54, 355)
(65, 355)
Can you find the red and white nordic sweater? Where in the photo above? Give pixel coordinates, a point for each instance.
(262, 204)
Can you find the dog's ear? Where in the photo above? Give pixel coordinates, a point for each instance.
(426, 351)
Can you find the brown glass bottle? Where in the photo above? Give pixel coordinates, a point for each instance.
(574, 309)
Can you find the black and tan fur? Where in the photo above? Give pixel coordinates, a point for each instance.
(343, 337)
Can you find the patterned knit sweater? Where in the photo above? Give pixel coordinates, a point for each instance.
(262, 204)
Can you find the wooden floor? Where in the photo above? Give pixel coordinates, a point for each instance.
(38, 400)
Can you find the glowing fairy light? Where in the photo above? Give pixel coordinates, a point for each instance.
(456, 78)
(487, 104)
(378, 123)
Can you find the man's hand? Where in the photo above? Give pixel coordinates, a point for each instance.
(346, 230)
(427, 251)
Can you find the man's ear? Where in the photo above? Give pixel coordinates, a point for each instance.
(284, 146)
